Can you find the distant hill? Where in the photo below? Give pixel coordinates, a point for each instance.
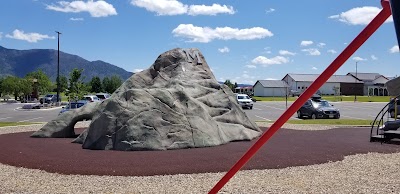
(20, 62)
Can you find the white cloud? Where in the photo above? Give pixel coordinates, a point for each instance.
(312, 51)
(95, 8)
(359, 59)
(321, 44)
(137, 70)
(162, 7)
(267, 50)
(261, 60)
(373, 57)
(76, 19)
(285, 52)
(1, 35)
(30, 37)
(314, 68)
(331, 51)
(224, 50)
(306, 42)
(270, 78)
(209, 10)
(251, 66)
(174, 7)
(206, 34)
(270, 10)
(394, 49)
(359, 15)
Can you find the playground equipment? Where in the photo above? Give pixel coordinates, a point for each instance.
(386, 124)
(387, 6)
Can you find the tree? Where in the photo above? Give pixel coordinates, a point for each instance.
(234, 87)
(106, 83)
(63, 83)
(95, 85)
(9, 85)
(111, 84)
(17, 86)
(44, 84)
(229, 84)
(25, 86)
(76, 87)
(1, 90)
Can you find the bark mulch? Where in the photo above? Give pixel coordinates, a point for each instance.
(287, 148)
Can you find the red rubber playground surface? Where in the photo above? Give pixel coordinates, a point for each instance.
(287, 148)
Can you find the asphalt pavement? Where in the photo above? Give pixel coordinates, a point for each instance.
(13, 112)
(270, 111)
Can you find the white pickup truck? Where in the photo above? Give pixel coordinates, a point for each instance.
(244, 100)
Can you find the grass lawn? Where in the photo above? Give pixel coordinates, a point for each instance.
(330, 121)
(6, 124)
(332, 98)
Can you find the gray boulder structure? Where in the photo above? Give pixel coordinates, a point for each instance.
(176, 103)
(63, 125)
(393, 86)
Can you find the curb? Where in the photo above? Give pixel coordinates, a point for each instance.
(41, 109)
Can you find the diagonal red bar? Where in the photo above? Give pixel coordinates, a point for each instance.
(329, 71)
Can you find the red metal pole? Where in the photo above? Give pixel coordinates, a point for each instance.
(329, 71)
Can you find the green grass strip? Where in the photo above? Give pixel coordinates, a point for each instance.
(7, 124)
(357, 122)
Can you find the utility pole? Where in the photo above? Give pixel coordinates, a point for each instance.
(355, 85)
(58, 68)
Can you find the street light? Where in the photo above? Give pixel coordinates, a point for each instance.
(58, 67)
(355, 85)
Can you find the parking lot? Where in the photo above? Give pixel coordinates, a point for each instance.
(12, 112)
(348, 110)
(270, 111)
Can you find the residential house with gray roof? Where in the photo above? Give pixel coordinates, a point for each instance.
(270, 88)
(374, 83)
(337, 84)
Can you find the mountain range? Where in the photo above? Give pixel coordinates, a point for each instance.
(20, 62)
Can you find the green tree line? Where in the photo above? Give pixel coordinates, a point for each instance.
(73, 86)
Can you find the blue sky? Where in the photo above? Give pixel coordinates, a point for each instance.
(243, 41)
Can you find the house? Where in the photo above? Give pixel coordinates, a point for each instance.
(374, 83)
(270, 88)
(244, 90)
(335, 85)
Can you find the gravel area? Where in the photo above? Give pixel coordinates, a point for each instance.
(363, 173)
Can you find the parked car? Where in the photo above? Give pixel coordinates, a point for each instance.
(103, 96)
(391, 108)
(91, 98)
(317, 108)
(73, 105)
(244, 100)
(50, 98)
